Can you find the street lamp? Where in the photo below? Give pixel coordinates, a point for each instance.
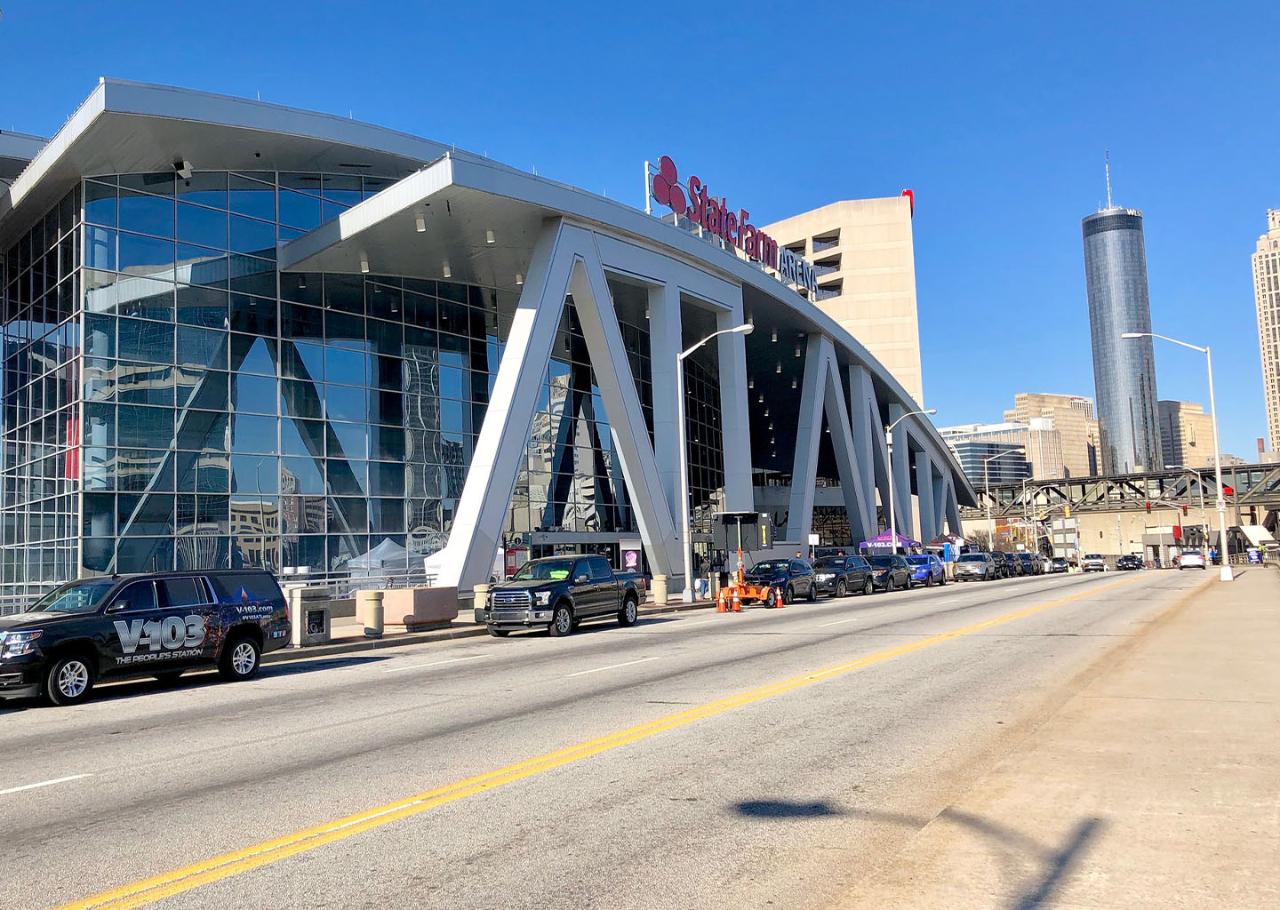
(888, 442)
(1199, 480)
(1224, 573)
(744, 329)
(986, 488)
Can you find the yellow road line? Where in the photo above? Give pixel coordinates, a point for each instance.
(167, 884)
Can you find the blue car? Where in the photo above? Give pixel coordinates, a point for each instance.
(927, 570)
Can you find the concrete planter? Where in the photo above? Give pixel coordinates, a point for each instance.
(420, 609)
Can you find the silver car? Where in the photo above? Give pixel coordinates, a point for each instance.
(1093, 562)
(976, 567)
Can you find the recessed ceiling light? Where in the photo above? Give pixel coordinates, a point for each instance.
(448, 272)
(420, 222)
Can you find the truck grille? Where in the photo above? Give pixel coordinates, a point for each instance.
(511, 599)
(508, 615)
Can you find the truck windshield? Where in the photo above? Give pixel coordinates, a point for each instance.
(545, 570)
(771, 567)
(76, 597)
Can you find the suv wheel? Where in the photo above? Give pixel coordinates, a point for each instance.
(888, 585)
(841, 591)
(630, 611)
(240, 659)
(788, 595)
(69, 680)
(868, 587)
(561, 621)
(928, 580)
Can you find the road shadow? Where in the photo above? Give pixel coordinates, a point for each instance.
(1031, 872)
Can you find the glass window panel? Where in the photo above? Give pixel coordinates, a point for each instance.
(254, 474)
(303, 182)
(253, 434)
(344, 292)
(146, 256)
(451, 382)
(385, 301)
(98, 552)
(144, 554)
(301, 321)
(251, 354)
(213, 514)
(160, 183)
(386, 443)
(342, 188)
(302, 287)
(202, 389)
(204, 187)
(198, 265)
(150, 515)
(99, 336)
(205, 472)
(298, 210)
(202, 552)
(140, 383)
(301, 399)
(146, 214)
(300, 360)
(99, 514)
(147, 341)
(348, 515)
(256, 315)
(387, 408)
(331, 210)
(250, 197)
(138, 469)
(100, 248)
(100, 425)
(350, 439)
(202, 348)
(202, 306)
(202, 226)
(386, 479)
(385, 337)
(347, 477)
(250, 236)
(386, 516)
(346, 367)
(301, 475)
(302, 437)
(140, 426)
(254, 394)
(99, 380)
(420, 311)
(253, 276)
(100, 203)
(343, 403)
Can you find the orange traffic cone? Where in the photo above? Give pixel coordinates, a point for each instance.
(777, 599)
(722, 605)
(737, 601)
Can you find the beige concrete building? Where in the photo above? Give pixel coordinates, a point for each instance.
(1266, 294)
(973, 443)
(865, 258)
(1072, 417)
(1186, 434)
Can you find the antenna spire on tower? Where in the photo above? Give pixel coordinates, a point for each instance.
(1108, 167)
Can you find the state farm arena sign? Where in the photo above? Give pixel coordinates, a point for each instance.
(693, 203)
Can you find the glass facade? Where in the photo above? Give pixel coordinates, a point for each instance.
(1124, 371)
(171, 400)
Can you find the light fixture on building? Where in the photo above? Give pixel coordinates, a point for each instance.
(766, 412)
(751, 383)
(797, 350)
(760, 398)
(774, 335)
(793, 382)
(302, 282)
(778, 368)
(519, 280)
(488, 237)
(420, 223)
(364, 264)
(772, 440)
(445, 270)
(771, 424)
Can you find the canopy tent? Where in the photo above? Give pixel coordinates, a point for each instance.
(885, 541)
(387, 558)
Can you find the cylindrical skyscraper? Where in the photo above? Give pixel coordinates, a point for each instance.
(1124, 370)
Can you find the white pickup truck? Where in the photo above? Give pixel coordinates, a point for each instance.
(1093, 562)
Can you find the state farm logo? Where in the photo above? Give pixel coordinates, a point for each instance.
(666, 187)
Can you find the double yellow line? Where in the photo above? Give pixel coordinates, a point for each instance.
(167, 884)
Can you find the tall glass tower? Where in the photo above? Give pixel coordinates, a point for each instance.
(1124, 371)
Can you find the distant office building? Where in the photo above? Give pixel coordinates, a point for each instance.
(1124, 370)
(1186, 434)
(1077, 429)
(1266, 293)
(1010, 468)
(865, 258)
(975, 442)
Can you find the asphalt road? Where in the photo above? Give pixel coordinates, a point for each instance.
(694, 761)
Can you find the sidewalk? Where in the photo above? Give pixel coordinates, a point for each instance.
(1156, 785)
(348, 637)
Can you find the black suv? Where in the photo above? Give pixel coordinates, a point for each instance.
(793, 577)
(841, 575)
(141, 625)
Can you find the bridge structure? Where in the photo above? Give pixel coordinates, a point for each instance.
(1252, 494)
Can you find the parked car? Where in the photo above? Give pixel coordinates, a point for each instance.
(1029, 562)
(1093, 562)
(1013, 563)
(793, 577)
(1192, 559)
(160, 625)
(976, 567)
(927, 570)
(559, 592)
(1057, 565)
(1001, 561)
(892, 573)
(841, 575)
(1129, 562)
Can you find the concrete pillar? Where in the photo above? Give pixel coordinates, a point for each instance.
(660, 589)
(901, 478)
(924, 494)
(481, 603)
(734, 420)
(664, 346)
(369, 610)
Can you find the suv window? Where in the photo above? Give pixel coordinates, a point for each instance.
(183, 592)
(251, 587)
(857, 562)
(141, 595)
(600, 570)
(797, 567)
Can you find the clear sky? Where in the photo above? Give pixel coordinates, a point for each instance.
(997, 118)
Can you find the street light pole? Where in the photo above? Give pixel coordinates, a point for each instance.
(888, 444)
(1199, 481)
(986, 488)
(687, 544)
(1224, 573)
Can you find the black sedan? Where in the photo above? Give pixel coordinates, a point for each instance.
(892, 573)
(1129, 563)
(841, 575)
(793, 577)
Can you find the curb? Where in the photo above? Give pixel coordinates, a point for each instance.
(357, 645)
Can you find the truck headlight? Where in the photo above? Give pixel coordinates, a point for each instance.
(16, 644)
(543, 598)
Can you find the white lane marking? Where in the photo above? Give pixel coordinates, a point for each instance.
(629, 663)
(684, 623)
(840, 622)
(435, 663)
(43, 783)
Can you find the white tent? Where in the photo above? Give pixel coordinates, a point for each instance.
(387, 558)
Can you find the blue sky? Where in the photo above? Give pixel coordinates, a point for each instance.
(997, 118)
